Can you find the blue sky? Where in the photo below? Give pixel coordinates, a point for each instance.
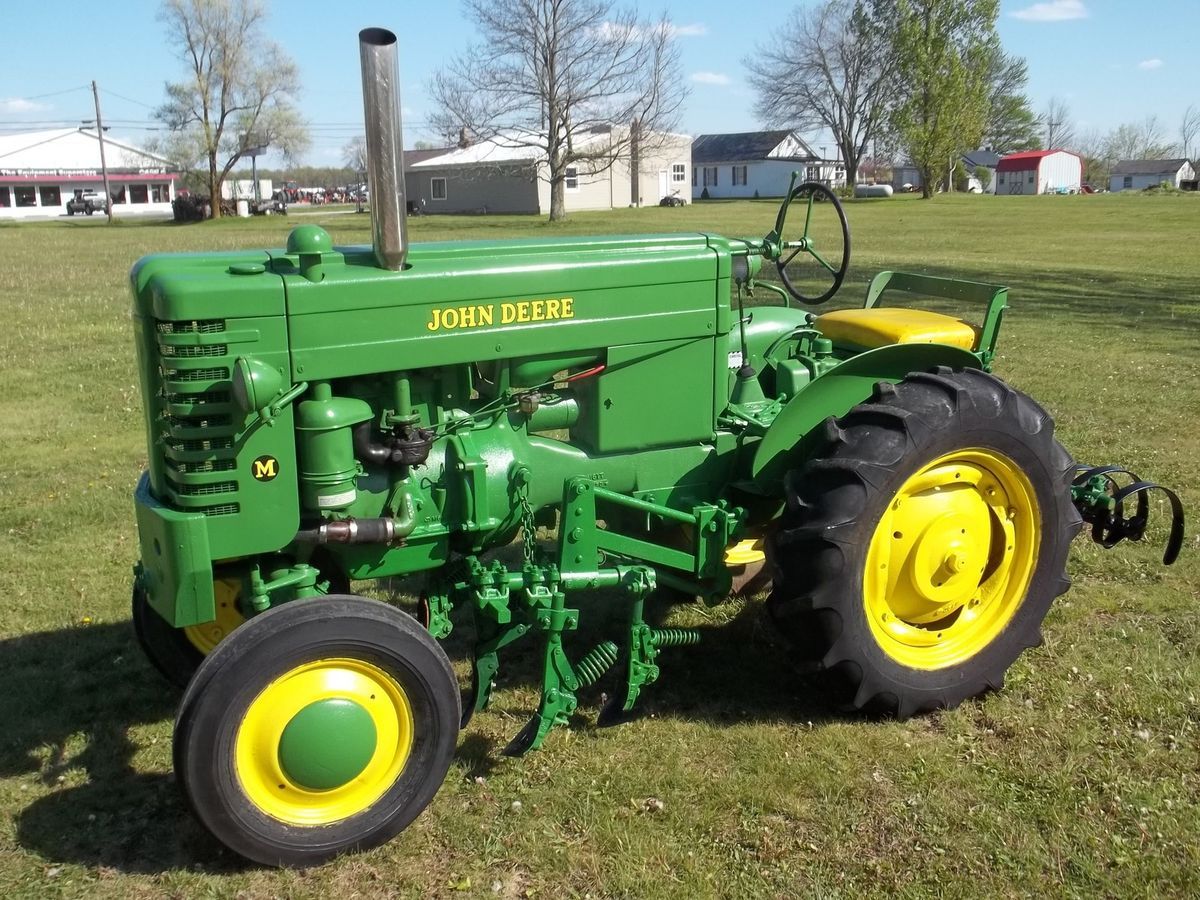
(1114, 61)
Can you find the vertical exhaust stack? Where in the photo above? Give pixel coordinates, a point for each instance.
(385, 145)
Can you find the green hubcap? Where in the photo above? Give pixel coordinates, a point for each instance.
(327, 744)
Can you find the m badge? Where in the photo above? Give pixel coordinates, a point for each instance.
(265, 468)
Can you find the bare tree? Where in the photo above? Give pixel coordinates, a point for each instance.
(237, 92)
(1056, 120)
(355, 154)
(576, 81)
(1092, 145)
(1138, 140)
(1189, 126)
(827, 68)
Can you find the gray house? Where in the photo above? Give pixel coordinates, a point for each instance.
(978, 160)
(757, 164)
(1136, 174)
(504, 175)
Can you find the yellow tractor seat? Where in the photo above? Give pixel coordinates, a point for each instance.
(878, 327)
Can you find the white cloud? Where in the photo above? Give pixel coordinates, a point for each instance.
(1153, 63)
(696, 29)
(710, 78)
(1053, 11)
(19, 105)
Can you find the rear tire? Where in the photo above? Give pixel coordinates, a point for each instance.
(922, 546)
(320, 727)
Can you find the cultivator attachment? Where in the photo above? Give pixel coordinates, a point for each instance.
(1100, 493)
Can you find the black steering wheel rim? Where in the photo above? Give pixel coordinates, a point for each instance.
(816, 189)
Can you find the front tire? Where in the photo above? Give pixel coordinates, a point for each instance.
(922, 547)
(319, 727)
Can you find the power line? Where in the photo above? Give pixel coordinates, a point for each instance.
(127, 99)
(82, 87)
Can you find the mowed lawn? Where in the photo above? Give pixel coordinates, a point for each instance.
(1081, 778)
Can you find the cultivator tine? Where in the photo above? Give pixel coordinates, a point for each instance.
(483, 670)
(1100, 499)
(529, 738)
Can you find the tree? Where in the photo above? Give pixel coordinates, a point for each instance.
(1138, 140)
(828, 68)
(579, 82)
(237, 92)
(1097, 166)
(1189, 126)
(942, 53)
(355, 155)
(1056, 120)
(1011, 122)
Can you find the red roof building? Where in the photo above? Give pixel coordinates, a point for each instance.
(1040, 172)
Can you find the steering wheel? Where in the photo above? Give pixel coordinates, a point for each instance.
(813, 190)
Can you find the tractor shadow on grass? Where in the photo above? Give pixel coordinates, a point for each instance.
(73, 704)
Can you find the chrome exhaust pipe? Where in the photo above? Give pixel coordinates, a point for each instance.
(385, 145)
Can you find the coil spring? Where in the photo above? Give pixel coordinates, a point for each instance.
(598, 660)
(675, 637)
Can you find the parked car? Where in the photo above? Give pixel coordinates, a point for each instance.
(86, 202)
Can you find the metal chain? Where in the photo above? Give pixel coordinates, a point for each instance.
(528, 527)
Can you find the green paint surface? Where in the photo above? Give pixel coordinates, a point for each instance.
(327, 744)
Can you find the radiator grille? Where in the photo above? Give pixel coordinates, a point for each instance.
(196, 425)
(189, 375)
(205, 490)
(195, 326)
(209, 350)
(208, 465)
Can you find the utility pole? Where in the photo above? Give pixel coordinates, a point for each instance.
(103, 164)
(1050, 126)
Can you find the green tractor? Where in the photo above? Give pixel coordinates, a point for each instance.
(320, 415)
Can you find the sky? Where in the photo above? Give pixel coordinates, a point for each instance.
(1113, 61)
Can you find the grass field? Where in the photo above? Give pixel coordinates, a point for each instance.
(1081, 778)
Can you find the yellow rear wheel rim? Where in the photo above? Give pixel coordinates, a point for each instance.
(951, 559)
(205, 636)
(264, 778)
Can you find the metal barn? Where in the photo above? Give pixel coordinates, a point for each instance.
(1040, 172)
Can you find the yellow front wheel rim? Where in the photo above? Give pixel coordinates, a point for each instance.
(951, 559)
(351, 773)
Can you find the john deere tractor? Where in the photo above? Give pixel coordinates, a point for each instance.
(321, 415)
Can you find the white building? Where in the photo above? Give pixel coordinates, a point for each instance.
(508, 175)
(757, 164)
(1136, 174)
(1039, 172)
(41, 170)
(243, 189)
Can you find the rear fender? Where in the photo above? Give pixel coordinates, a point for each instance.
(834, 393)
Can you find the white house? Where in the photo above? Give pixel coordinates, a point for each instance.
(41, 170)
(757, 164)
(504, 175)
(1136, 174)
(1039, 172)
